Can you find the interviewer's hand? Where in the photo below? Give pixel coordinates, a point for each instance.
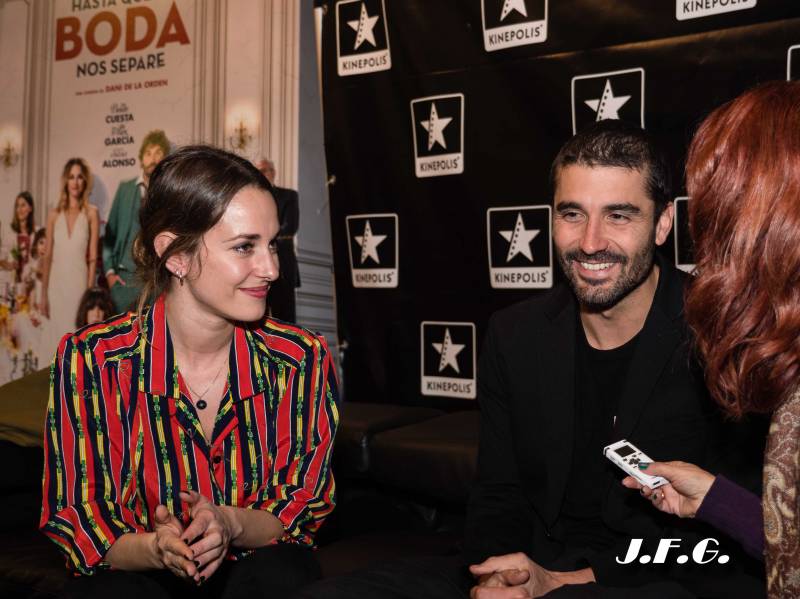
(686, 491)
(212, 525)
(171, 552)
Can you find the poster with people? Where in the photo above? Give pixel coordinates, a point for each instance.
(121, 79)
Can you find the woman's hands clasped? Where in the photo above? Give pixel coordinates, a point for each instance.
(171, 552)
(209, 535)
(688, 487)
(196, 551)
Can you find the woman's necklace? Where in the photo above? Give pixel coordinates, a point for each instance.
(200, 402)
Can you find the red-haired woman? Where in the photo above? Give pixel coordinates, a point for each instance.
(743, 175)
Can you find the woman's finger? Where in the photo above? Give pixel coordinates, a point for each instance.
(200, 523)
(173, 544)
(209, 556)
(212, 567)
(210, 541)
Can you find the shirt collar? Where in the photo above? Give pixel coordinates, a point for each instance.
(158, 374)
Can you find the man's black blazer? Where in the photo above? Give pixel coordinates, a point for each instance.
(289, 216)
(526, 386)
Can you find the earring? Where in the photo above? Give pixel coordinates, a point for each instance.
(180, 277)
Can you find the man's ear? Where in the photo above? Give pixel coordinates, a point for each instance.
(177, 264)
(664, 223)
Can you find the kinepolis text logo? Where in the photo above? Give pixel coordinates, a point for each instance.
(374, 251)
(448, 359)
(437, 123)
(520, 247)
(693, 9)
(793, 63)
(509, 23)
(362, 37)
(684, 250)
(612, 95)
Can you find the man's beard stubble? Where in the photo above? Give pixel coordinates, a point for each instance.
(633, 273)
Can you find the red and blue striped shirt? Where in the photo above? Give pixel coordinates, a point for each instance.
(122, 436)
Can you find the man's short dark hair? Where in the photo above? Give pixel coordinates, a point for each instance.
(612, 143)
(156, 137)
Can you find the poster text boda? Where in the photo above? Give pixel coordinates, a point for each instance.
(102, 33)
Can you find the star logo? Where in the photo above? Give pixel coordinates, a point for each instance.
(448, 352)
(519, 239)
(607, 106)
(435, 128)
(369, 244)
(439, 150)
(612, 95)
(511, 23)
(509, 5)
(362, 37)
(373, 246)
(364, 27)
(524, 257)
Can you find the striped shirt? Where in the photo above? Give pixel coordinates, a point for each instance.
(122, 436)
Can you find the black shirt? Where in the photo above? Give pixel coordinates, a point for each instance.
(599, 380)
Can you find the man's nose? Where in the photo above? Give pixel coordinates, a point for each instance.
(593, 239)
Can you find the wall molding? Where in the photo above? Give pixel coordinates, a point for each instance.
(36, 109)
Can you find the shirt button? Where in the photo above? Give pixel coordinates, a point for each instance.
(217, 459)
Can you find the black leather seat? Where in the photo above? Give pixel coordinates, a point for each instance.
(436, 457)
(358, 424)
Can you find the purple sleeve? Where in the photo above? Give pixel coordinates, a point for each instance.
(736, 512)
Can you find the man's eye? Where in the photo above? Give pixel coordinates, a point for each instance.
(619, 218)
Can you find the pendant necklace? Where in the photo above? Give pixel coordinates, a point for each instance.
(201, 403)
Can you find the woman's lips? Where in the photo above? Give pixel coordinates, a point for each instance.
(258, 292)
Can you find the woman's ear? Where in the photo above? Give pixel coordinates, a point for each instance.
(177, 264)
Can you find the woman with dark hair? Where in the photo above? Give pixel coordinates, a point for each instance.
(743, 177)
(23, 225)
(70, 261)
(96, 306)
(17, 242)
(191, 441)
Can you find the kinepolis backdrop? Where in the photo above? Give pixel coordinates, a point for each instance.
(441, 120)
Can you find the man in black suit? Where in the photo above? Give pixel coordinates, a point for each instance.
(605, 357)
(281, 299)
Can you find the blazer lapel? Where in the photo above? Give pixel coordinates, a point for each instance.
(658, 339)
(558, 395)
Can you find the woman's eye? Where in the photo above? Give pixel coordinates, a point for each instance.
(273, 246)
(244, 248)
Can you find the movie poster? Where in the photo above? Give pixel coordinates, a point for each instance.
(120, 68)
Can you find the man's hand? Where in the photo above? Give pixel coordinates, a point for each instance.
(512, 576)
(171, 552)
(516, 576)
(113, 278)
(214, 529)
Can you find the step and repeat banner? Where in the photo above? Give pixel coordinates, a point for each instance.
(117, 70)
(441, 122)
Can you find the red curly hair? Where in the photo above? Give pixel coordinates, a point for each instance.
(743, 177)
